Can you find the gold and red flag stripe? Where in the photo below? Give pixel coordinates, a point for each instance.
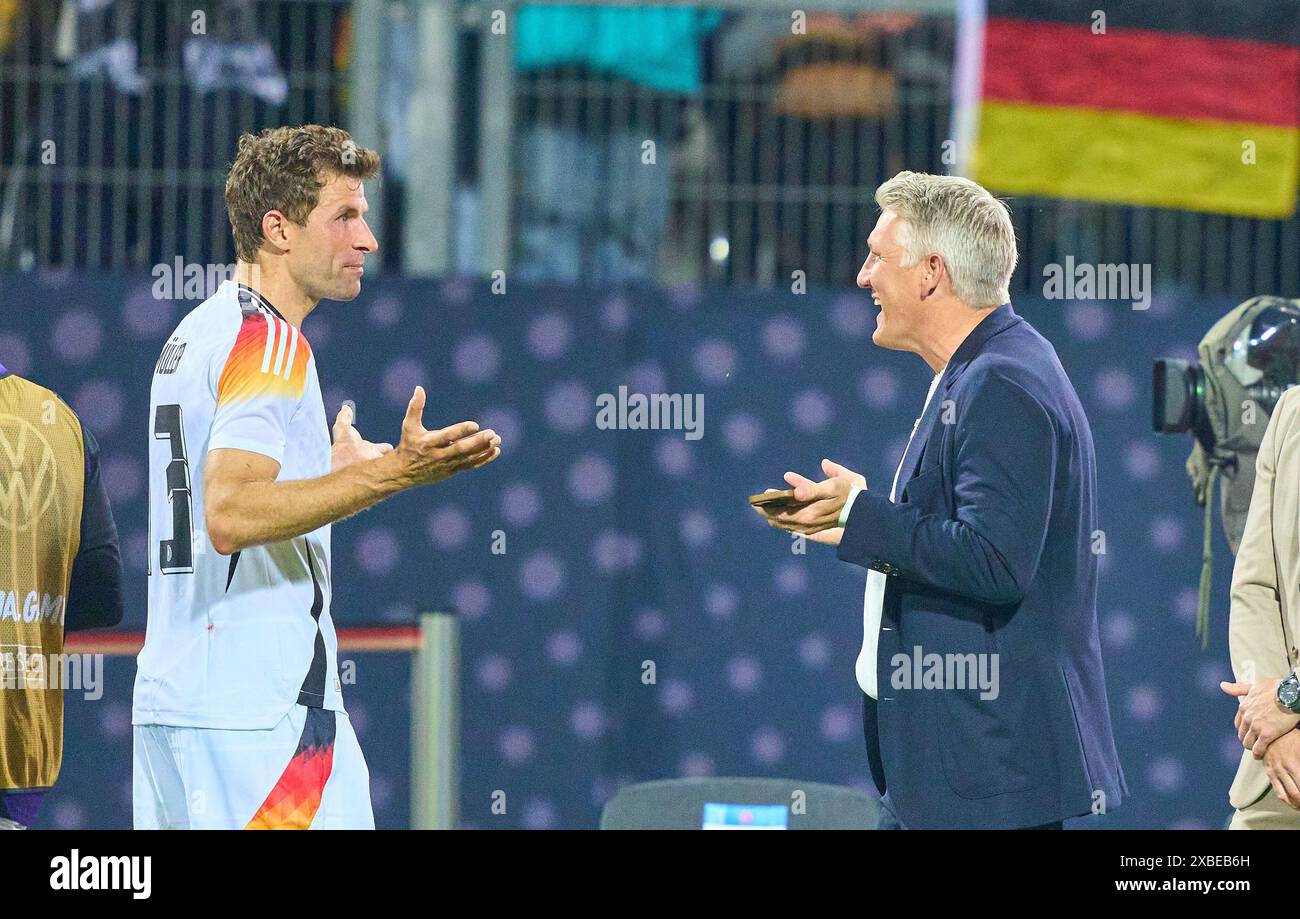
(1190, 105)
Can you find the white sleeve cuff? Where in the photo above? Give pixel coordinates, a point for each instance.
(848, 504)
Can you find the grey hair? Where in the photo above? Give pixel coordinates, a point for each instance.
(960, 221)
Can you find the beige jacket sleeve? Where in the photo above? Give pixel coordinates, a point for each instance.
(1255, 635)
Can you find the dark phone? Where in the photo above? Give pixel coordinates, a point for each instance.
(773, 498)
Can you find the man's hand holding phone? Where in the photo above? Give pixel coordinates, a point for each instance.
(813, 508)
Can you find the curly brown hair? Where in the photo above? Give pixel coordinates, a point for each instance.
(284, 169)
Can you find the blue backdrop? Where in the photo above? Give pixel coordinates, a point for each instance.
(626, 547)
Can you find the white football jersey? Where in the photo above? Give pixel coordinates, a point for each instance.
(234, 641)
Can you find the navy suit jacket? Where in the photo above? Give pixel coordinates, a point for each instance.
(990, 552)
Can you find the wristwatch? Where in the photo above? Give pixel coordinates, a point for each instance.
(1288, 694)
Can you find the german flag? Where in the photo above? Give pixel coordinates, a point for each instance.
(1193, 104)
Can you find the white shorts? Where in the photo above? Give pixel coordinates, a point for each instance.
(307, 772)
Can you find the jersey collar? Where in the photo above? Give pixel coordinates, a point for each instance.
(244, 289)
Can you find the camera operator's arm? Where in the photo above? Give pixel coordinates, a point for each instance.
(1255, 637)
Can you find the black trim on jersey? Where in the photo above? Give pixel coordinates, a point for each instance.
(230, 575)
(312, 693)
(262, 301)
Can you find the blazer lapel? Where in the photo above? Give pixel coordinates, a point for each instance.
(999, 319)
(916, 446)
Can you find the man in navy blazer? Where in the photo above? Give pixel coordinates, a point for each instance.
(985, 700)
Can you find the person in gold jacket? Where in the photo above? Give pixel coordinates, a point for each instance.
(60, 569)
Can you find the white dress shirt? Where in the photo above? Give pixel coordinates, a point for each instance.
(874, 601)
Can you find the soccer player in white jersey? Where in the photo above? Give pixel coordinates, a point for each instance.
(238, 716)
